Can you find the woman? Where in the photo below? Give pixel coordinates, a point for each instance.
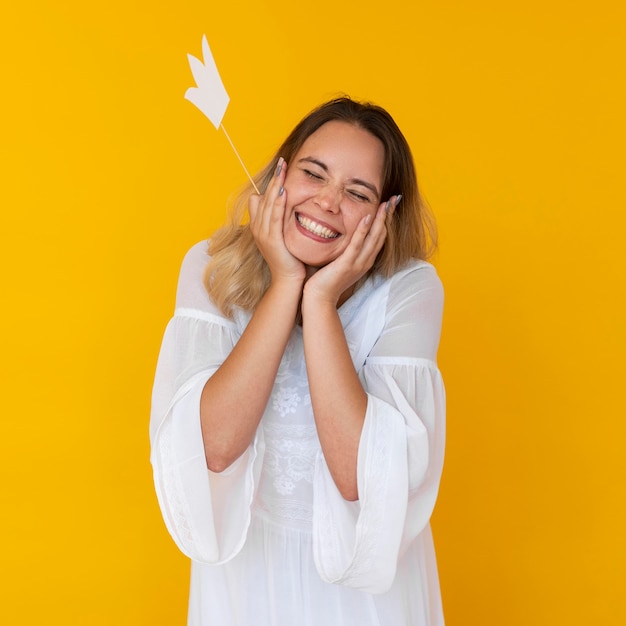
(298, 412)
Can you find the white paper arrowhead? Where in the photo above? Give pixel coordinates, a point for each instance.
(210, 95)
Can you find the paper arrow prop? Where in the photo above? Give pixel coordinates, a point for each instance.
(210, 95)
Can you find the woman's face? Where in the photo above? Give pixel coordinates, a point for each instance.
(332, 183)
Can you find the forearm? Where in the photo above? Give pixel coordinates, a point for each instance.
(337, 396)
(234, 398)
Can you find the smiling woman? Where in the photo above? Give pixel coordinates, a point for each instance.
(298, 417)
(333, 187)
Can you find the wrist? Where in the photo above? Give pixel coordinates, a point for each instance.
(289, 276)
(287, 285)
(312, 299)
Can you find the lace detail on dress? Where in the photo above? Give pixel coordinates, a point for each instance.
(289, 465)
(371, 514)
(173, 488)
(292, 364)
(285, 400)
(378, 477)
(289, 512)
(290, 455)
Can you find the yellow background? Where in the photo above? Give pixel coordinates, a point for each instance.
(516, 116)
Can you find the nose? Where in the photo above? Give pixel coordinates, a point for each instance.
(329, 199)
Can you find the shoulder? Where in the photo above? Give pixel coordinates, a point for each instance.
(416, 276)
(415, 285)
(416, 271)
(195, 259)
(191, 293)
(415, 282)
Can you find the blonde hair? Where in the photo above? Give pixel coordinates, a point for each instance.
(237, 275)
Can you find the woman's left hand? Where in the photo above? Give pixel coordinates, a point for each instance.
(330, 282)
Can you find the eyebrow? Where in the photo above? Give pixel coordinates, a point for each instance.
(352, 181)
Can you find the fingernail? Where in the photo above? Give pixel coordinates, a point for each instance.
(398, 200)
(387, 206)
(368, 219)
(279, 167)
(281, 191)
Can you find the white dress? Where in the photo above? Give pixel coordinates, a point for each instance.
(272, 541)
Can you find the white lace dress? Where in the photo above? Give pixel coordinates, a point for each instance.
(272, 541)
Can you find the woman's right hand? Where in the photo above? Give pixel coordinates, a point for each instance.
(267, 223)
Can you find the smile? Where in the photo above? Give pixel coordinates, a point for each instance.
(315, 228)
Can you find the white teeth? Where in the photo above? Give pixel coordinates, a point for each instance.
(315, 228)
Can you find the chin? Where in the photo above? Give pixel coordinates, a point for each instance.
(313, 262)
(310, 257)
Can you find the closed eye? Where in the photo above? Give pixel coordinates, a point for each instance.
(359, 196)
(311, 174)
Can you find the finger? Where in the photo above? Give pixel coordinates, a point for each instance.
(253, 205)
(384, 217)
(274, 206)
(371, 237)
(392, 203)
(377, 227)
(279, 167)
(279, 178)
(258, 204)
(276, 184)
(354, 252)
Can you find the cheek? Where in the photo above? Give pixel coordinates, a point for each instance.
(298, 190)
(295, 198)
(355, 216)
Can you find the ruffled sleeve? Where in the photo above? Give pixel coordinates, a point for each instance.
(401, 450)
(206, 513)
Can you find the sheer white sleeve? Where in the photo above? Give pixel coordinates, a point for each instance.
(401, 450)
(206, 513)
